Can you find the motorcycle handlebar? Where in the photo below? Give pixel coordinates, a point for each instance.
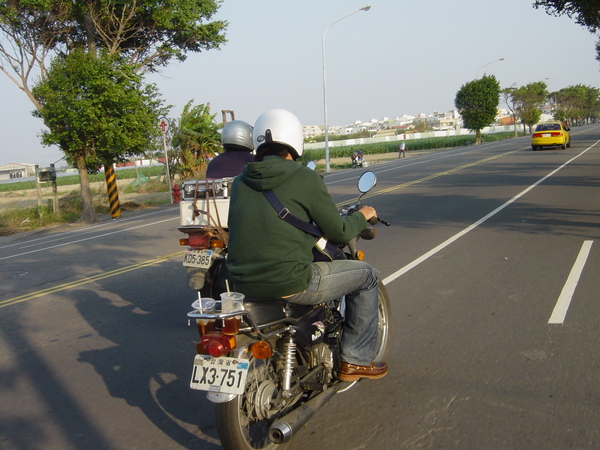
(374, 220)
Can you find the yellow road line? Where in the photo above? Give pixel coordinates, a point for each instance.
(86, 280)
(428, 177)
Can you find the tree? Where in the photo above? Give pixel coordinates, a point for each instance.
(97, 111)
(574, 102)
(477, 101)
(585, 12)
(196, 139)
(529, 99)
(149, 33)
(511, 104)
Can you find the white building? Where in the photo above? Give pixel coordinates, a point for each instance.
(16, 171)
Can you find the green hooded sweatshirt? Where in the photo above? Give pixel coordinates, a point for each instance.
(269, 257)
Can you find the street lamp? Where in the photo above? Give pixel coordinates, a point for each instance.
(364, 8)
(499, 59)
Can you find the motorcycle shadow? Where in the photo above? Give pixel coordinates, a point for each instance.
(149, 365)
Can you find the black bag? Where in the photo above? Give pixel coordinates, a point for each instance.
(324, 250)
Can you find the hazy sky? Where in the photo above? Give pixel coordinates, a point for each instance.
(398, 58)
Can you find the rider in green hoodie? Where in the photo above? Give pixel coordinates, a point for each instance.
(269, 257)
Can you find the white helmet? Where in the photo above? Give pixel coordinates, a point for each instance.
(237, 135)
(279, 126)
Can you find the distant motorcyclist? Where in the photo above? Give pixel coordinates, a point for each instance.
(236, 138)
(277, 262)
(357, 159)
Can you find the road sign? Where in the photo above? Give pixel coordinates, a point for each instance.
(163, 124)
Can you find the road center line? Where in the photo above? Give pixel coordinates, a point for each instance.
(565, 297)
(460, 234)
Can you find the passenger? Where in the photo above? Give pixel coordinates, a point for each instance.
(236, 138)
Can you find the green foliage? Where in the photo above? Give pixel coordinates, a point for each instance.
(477, 102)
(97, 108)
(196, 139)
(575, 102)
(528, 100)
(148, 32)
(585, 12)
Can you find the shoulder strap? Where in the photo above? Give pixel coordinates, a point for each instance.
(285, 214)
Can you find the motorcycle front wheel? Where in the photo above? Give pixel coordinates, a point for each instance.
(244, 422)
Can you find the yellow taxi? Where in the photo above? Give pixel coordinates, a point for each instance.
(550, 134)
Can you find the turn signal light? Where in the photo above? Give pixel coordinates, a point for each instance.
(360, 255)
(217, 243)
(184, 241)
(261, 350)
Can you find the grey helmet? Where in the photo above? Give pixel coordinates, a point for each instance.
(237, 135)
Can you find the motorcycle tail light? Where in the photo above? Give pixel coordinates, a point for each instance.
(261, 350)
(199, 240)
(216, 344)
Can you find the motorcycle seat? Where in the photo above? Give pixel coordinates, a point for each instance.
(272, 310)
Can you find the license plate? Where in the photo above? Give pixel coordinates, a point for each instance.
(224, 375)
(197, 258)
(546, 135)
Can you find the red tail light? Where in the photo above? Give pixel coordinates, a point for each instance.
(216, 344)
(199, 240)
(537, 135)
(556, 134)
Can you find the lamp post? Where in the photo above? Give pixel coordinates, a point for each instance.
(499, 59)
(364, 8)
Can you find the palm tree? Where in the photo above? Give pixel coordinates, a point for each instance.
(195, 139)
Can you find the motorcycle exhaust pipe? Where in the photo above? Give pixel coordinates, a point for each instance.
(285, 427)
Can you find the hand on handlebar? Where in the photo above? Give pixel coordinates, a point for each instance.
(371, 216)
(369, 212)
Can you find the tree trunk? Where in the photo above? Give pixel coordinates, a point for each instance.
(477, 137)
(88, 213)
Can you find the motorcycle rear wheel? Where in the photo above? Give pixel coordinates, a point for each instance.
(244, 422)
(385, 319)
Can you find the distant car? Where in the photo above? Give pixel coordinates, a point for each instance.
(550, 134)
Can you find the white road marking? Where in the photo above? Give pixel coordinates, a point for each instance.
(87, 239)
(565, 297)
(460, 234)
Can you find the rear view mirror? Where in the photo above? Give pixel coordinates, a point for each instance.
(367, 181)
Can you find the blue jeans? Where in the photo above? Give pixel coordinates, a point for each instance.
(356, 280)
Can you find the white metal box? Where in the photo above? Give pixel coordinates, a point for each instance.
(205, 202)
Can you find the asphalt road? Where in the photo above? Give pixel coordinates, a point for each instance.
(492, 265)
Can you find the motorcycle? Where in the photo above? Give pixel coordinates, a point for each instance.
(204, 209)
(269, 366)
(357, 159)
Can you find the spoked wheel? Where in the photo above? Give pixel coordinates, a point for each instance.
(244, 422)
(385, 319)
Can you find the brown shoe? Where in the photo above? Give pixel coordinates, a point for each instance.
(352, 372)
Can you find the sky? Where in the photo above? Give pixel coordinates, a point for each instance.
(398, 58)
